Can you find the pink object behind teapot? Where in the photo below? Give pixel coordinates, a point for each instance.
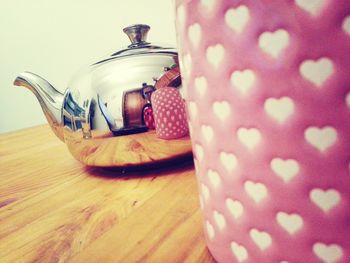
(268, 86)
(169, 113)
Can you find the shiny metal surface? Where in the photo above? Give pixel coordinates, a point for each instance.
(137, 34)
(49, 98)
(100, 115)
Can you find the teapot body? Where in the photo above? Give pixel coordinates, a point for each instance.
(102, 113)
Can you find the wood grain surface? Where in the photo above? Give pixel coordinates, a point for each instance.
(105, 150)
(54, 209)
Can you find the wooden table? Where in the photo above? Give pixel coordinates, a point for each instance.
(53, 209)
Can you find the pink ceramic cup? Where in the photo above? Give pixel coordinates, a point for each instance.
(268, 96)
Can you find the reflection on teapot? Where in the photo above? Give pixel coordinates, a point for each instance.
(101, 116)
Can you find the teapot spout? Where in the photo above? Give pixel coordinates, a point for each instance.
(49, 98)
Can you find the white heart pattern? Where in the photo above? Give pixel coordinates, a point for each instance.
(317, 72)
(214, 178)
(243, 80)
(199, 153)
(292, 223)
(181, 15)
(215, 55)
(205, 192)
(195, 163)
(311, 6)
(228, 160)
(207, 133)
(256, 191)
(220, 220)
(279, 109)
(325, 200)
(190, 128)
(210, 230)
(222, 109)
(286, 169)
(201, 202)
(195, 34)
(346, 25)
(208, 4)
(201, 85)
(193, 110)
(321, 138)
(239, 251)
(237, 18)
(273, 43)
(347, 99)
(327, 253)
(187, 64)
(250, 137)
(262, 239)
(235, 207)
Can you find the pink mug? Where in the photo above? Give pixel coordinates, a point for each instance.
(268, 96)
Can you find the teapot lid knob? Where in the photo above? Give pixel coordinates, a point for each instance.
(137, 34)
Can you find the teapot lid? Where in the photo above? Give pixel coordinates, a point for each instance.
(137, 34)
(138, 37)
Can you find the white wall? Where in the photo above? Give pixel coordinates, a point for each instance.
(54, 38)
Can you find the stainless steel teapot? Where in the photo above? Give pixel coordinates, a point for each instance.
(99, 116)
